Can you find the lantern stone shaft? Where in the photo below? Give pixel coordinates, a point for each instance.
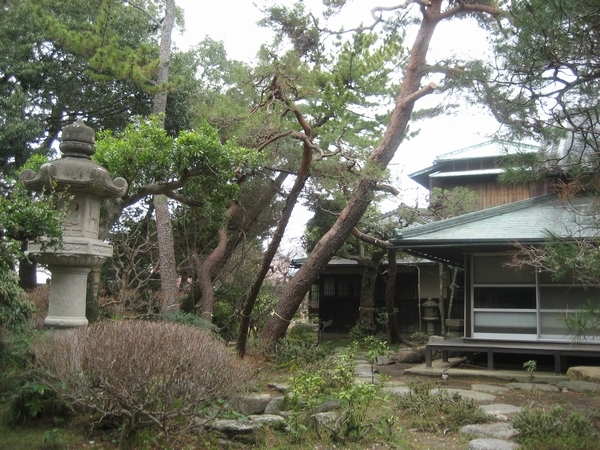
(86, 184)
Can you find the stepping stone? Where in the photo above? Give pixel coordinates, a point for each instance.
(266, 419)
(579, 386)
(363, 371)
(232, 426)
(489, 388)
(477, 397)
(400, 391)
(491, 444)
(500, 410)
(535, 386)
(490, 430)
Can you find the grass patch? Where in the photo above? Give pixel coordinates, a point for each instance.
(556, 429)
(439, 411)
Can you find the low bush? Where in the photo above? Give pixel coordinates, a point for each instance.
(555, 429)
(419, 338)
(142, 373)
(438, 411)
(299, 348)
(334, 380)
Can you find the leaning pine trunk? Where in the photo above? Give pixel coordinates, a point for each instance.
(361, 198)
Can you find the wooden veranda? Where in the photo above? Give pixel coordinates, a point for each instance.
(559, 350)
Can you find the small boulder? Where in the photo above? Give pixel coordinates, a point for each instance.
(251, 404)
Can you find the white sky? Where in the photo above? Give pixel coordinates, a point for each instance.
(234, 23)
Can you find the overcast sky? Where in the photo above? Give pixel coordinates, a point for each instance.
(234, 23)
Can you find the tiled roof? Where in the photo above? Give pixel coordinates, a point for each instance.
(525, 220)
(489, 149)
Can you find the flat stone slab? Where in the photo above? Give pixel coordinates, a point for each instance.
(490, 430)
(400, 391)
(477, 397)
(232, 426)
(266, 419)
(579, 386)
(363, 371)
(491, 444)
(500, 410)
(489, 388)
(534, 386)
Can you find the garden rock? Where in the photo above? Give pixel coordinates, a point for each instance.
(491, 444)
(327, 406)
(275, 406)
(385, 360)
(231, 426)
(408, 356)
(533, 386)
(251, 404)
(327, 419)
(266, 419)
(583, 373)
(579, 386)
(490, 430)
(279, 387)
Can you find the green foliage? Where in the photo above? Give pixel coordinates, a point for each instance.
(375, 347)
(530, 366)
(299, 348)
(15, 307)
(438, 411)
(112, 51)
(554, 429)
(333, 380)
(145, 154)
(52, 440)
(357, 333)
(190, 319)
(419, 338)
(547, 52)
(584, 323)
(455, 202)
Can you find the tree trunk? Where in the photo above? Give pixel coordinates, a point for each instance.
(410, 91)
(92, 306)
(27, 270)
(205, 275)
(452, 290)
(366, 317)
(159, 105)
(441, 300)
(168, 269)
(390, 290)
(301, 178)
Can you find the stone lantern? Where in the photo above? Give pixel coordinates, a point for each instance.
(430, 315)
(86, 184)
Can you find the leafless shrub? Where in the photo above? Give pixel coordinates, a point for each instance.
(130, 303)
(40, 297)
(143, 373)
